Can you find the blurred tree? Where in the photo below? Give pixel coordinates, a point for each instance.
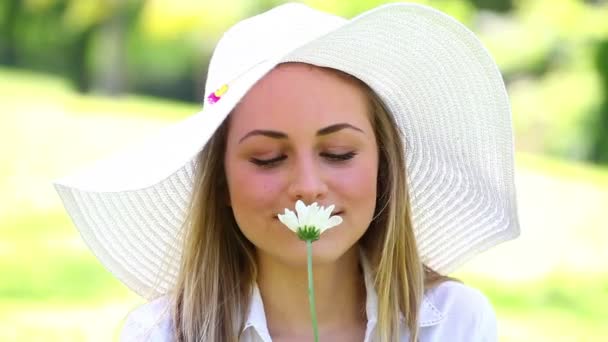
(109, 21)
(112, 76)
(493, 5)
(78, 71)
(599, 131)
(9, 14)
(595, 2)
(40, 35)
(260, 6)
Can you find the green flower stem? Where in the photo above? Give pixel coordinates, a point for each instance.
(311, 291)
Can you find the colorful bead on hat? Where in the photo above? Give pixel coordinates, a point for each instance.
(216, 95)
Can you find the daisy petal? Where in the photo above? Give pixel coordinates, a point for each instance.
(310, 218)
(307, 217)
(302, 211)
(332, 222)
(289, 219)
(327, 212)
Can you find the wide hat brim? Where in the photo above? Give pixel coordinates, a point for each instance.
(436, 78)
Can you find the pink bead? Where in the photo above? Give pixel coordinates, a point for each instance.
(212, 98)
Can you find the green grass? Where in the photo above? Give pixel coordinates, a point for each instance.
(549, 285)
(58, 255)
(578, 171)
(531, 310)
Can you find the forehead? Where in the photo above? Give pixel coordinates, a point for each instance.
(295, 93)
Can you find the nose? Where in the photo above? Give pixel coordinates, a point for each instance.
(306, 181)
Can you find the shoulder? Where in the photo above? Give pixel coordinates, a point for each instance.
(467, 314)
(452, 296)
(149, 322)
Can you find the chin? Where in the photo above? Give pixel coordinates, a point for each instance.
(330, 251)
(326, 250)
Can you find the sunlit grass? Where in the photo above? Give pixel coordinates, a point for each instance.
(571, 171)
(531, 310)
(549, 285)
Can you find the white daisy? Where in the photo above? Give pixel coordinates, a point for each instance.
(310, 221)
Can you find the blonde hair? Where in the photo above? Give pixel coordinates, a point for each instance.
(218, 268)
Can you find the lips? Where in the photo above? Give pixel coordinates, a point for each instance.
(333, 213)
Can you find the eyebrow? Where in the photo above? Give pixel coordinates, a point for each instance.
(280, 135)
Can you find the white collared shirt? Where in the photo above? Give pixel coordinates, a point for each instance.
(449, 312)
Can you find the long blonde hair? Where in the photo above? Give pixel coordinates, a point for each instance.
(218, 268)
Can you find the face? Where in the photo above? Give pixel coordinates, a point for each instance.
(301, 132)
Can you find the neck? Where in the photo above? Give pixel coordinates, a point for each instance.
(339, 295)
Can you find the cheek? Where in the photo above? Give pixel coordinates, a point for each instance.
(357, 189)
(358, 183)
(252, 191)
(253, 197)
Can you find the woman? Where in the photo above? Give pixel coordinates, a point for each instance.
(397, 117)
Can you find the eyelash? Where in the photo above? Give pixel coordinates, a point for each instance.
(333, 157)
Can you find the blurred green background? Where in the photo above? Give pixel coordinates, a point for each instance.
(79, 79)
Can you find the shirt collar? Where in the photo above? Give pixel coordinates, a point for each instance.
(257, 316)
(429, 314)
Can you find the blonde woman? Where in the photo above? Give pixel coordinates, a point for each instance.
(398, 118)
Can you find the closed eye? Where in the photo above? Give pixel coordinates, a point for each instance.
(339, 157)
(267, 162)
(275, 161)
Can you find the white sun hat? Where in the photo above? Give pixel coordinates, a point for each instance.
(436, 78)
